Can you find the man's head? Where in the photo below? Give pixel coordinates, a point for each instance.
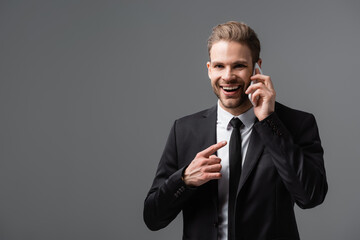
(236, 32)
(233, 50)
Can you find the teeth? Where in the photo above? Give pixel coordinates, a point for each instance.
(230, 88)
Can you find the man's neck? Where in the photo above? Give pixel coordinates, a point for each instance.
(238, 110)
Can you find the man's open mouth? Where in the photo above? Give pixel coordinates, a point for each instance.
(231, 89)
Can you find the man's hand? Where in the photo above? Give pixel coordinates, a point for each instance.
(263, 95)
(204, 167)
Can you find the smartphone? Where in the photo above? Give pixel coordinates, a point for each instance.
(252, 82)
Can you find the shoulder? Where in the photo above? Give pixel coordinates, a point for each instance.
(210, 112)
(196, 122)
(294, 120)
(287, 112)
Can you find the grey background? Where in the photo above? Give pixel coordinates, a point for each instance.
(89, 90)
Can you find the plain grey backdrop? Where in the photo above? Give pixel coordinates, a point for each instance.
(90, 89)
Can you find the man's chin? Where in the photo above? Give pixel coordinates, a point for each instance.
(235, 103)
(231, 103)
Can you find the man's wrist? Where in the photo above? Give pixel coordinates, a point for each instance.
(183, 174)
(184, 181)
(266, 117)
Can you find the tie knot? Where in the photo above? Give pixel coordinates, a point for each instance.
(236, 123)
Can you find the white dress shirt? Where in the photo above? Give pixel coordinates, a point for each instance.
(223, 132)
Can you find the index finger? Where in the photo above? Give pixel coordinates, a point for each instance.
(212, 149)
(266, 80)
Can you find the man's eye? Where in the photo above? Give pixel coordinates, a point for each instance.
(239, 66)
(218, 66)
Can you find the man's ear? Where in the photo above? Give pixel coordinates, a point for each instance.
(259, 62)
(209, 69)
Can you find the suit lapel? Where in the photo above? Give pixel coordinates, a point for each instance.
(208, 127)
(208, 133)
(253, 153)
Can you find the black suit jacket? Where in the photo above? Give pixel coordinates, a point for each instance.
(283, 165)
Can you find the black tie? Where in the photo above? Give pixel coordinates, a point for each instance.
(235, 172)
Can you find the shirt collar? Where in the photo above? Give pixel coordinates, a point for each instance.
(224, 117)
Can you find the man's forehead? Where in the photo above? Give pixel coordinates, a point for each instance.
(230, 51)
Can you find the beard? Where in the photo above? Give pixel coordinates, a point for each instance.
(232, 102)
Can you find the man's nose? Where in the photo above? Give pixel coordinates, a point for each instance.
(228, 74)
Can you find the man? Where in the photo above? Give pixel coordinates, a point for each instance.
(235, 170)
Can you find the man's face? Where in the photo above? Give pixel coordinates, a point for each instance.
(229, 70)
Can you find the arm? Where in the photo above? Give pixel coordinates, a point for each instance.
(168, 191)
(298, 158)
(174, 183)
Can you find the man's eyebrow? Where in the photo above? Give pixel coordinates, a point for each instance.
(240, 62)
(233, 63)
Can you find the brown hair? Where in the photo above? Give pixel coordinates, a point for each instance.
(238, 32)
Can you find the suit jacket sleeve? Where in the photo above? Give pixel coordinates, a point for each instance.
(297, 155)
(168, 192)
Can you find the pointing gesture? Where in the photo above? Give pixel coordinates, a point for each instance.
(204, 167)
